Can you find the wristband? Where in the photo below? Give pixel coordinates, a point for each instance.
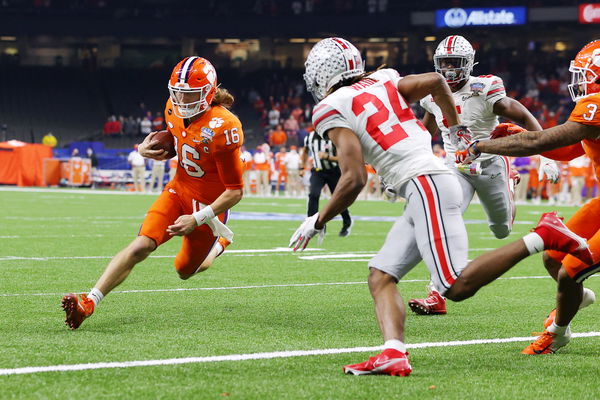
(203, 215)
(474, 149)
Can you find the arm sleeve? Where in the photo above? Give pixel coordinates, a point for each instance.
(495, 92)
(566, 153)
(326, 117)
(228, 158)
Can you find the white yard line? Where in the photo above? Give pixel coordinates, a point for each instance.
(283, 285)
(258, 356)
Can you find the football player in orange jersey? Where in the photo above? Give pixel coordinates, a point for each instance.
(196, 203)
(581, 133)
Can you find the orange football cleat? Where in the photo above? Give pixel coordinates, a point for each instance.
(547, 343)
(550, 319)
(77, 309)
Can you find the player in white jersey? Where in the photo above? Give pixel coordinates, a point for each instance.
(479, 101)
(368, 117)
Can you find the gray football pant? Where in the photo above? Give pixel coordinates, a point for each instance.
(430, 229)
(495, 192)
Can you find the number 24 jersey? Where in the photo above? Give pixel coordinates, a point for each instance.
(393, 140)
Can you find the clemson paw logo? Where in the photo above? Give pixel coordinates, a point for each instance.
(216, 122)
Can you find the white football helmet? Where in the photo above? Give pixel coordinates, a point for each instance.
(330, 61)
(454, 50)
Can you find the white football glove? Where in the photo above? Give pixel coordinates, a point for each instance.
(550, 169)
(305, 232)
(460, 136)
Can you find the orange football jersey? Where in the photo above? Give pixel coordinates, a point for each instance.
(208, 153)
(587, 112)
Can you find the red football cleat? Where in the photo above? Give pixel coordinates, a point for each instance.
(388, 362)
(434, 304)
(557, 236)
(77, 309)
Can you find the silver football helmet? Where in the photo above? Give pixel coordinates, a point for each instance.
(330, 61)
(457, 52)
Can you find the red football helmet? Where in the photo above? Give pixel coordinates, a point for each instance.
(192, 86)
(585, 71)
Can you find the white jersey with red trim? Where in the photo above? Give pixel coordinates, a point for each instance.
(393, 140)
(475, 104)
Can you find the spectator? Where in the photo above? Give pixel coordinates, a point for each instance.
(49, 140)
(277, 138)
(112, 126)
(291, 128)
(292, 163)
(247, 158)
(274, 117)
(138, 169)
(158, 123)
(261, 163)
(157, 177)
(94, 164)
(145, 126)
(131, 127)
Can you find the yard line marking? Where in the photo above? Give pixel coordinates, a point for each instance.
(240, 251)
(259, 356)
(283, 285)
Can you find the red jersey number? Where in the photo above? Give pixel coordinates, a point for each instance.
(374, 121)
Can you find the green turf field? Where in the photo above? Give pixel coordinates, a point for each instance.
(258, 302)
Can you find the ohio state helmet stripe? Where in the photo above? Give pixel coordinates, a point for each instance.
(345, 47)
(185, 69)
(449, 44)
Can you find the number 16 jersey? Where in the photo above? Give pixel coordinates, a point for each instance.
(393, 140)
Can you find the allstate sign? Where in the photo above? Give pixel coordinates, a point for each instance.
(459, 17)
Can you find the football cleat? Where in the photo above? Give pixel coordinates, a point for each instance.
(557, 236)
(346, 229)
(589, 297)
(388, 362)
(550, 319)
(434, 304)
(77, 309)
(548, 342)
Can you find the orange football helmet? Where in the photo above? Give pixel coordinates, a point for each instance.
(585, 71)
(192, 86)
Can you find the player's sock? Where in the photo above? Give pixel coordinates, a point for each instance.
(534, 243)
(588, 298)
(219, 249)
(559, 330)
(395, 344)
(96, 296)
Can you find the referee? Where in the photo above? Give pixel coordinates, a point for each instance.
(325, 171)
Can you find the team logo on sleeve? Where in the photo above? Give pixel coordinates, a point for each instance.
(477, 88)
(216, 122)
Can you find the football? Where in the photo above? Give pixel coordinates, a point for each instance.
(166, 142)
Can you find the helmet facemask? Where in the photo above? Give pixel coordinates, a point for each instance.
(581, 78)
(189, 102)
(454, 68)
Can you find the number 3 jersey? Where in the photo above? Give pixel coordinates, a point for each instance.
(208, 153)
(587, 112)
(475, 105)
(393, 140)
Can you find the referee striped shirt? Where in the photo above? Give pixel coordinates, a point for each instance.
(316, 144)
